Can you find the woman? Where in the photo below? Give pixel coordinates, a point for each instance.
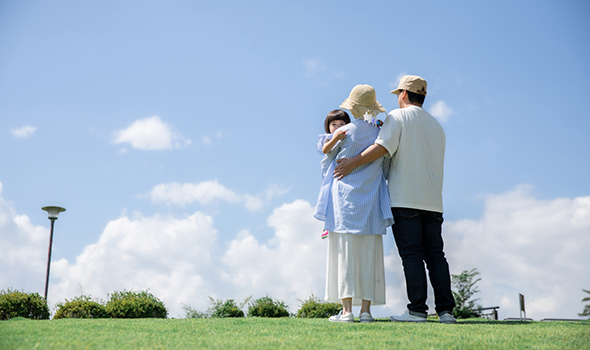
(356, 211)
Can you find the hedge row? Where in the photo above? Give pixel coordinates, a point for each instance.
(19, 304)
(265, 307)
(126, 304)
(142, 304)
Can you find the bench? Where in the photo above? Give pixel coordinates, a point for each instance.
(491, 315)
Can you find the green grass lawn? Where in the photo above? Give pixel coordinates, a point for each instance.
(288, 333)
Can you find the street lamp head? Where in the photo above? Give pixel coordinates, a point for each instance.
(53, 212)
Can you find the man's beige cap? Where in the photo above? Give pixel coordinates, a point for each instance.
(412, 83)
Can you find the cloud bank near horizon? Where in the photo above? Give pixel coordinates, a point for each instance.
(538, 248)
(521, 244)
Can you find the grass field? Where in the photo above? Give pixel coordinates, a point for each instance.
(288, 333)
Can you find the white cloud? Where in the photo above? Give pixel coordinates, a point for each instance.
(274, 191)
(289, 267)
(207, 192)
(520, 245)
(538, 248)
(441, 111)
(175, 259)
(23, 131)
(206, 140)
(170, 257)
(150, 134)
(20, 243)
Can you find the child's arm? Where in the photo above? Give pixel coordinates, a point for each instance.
(329, 144)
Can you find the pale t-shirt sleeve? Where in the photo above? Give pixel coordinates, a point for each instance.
(389, 134)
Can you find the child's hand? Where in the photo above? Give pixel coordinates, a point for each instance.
(339, 135)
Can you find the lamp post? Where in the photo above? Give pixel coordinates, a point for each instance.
(52, 213)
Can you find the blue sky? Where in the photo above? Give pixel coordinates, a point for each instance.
(154, 112)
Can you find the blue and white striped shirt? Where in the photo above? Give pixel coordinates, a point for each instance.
(328, 157)
(359, 203)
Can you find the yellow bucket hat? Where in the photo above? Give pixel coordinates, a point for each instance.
(362, 102)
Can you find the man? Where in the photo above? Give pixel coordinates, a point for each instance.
(415, 142)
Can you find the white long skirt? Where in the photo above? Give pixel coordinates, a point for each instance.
(355, 268)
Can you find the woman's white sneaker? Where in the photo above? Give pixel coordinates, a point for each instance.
(366, 317)
(349, 317)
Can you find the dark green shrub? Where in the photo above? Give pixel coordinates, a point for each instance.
(80, 307)
(463, 289)
(586, 311)
(466, 312)
(227, 308)
(315, 308)
(267, 307)
(130, 304)
(20, 304)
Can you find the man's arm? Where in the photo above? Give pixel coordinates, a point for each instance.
(346, 166)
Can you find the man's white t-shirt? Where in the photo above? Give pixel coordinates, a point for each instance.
(415, 141)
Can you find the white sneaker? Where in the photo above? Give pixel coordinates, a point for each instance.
(366, 317)
(339, 318)
(407, 317)
(447, 317)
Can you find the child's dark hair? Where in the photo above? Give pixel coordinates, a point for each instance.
(336, 114)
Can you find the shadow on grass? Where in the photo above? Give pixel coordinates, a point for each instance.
(458, 322)
(514, 323)
(509, 323)
(491, 322)
(382, 320)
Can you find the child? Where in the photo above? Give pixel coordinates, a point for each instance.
(326, 142)
(356, 210)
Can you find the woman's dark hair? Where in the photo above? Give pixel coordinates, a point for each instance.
(336, 114)
(416, 98)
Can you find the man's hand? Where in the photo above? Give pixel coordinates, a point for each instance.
(345, 166)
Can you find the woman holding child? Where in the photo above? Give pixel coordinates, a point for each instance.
(356, 211)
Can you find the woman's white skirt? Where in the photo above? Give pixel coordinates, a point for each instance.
(355, 268)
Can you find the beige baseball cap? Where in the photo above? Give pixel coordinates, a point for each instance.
(412, 83)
